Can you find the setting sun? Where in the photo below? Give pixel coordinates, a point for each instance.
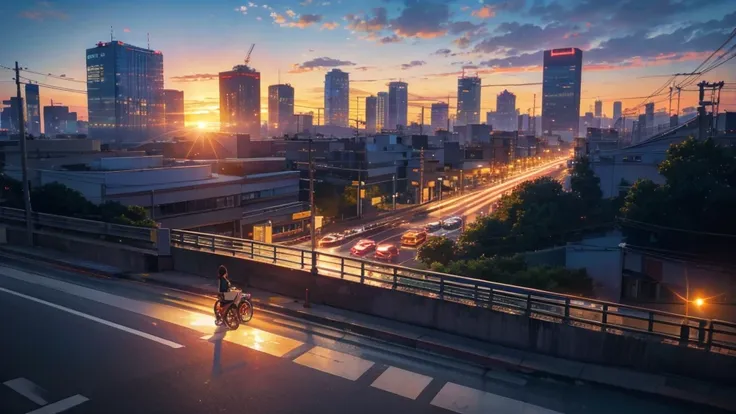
(201, 125)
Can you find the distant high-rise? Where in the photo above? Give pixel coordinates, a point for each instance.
(468, 101)
(58, 120)
(337, 98)
(280, 109)
(9, 118)
(506, 118)
(398, 104)
(382, 111)
(598, 109)
(649, 119)
(616, 111)
(561, 82)
(173, 109)
(124, 92)
(371, 114)
(240, 101)
(303, 123)
(33, 110)
(440, 115)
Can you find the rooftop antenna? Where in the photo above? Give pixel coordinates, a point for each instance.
(148, 36)
(111, 38)
(279, 76)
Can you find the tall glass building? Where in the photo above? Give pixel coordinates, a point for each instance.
(468, 101)
(398, 104)
(381, 110)
(33, 110)
(173, 110)
(371, 114)
(337, 98)
(280, 109)
(125, 93)
(561, 83)
(240, 101)
(440, 115)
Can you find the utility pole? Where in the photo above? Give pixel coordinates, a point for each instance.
(534, 116)
(312, 210)
(421, 175)
(24, 160)
(393, 193)
(319, 115)
(421, 123)
(358, 199)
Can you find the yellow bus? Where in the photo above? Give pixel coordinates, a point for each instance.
(413, 238)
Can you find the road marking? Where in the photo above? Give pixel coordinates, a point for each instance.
(402, 382)
(334, 362)
(96, 319)
(467, 400)
(61, 406)
(27, 389)
(200, 322)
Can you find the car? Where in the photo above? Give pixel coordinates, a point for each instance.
(330, 240)
(433, 227)
(387, 252)
(452, 223)
(413, 238)
(363, 247)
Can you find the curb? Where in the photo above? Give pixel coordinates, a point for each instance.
(418, 343)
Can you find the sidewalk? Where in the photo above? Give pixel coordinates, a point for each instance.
(465, 349)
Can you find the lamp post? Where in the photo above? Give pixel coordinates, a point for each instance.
(312, 210)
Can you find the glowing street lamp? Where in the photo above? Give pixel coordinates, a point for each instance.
(699, 302)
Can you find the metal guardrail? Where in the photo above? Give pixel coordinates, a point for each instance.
(143, 236)
(614, 318)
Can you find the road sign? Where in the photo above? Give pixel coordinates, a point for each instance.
(301, 215)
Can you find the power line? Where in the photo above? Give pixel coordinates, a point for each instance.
(45, 74)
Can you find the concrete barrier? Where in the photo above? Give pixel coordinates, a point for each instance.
(518, 331)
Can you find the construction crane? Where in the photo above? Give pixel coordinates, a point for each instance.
(247, 57)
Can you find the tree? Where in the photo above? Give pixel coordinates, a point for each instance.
(698, 197)
(56, 198)
(114, 212)
(513, 270)
(437, 250)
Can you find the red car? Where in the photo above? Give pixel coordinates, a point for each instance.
(387, 252)
(363, 247)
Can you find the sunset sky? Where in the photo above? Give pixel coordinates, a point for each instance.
(426, 43)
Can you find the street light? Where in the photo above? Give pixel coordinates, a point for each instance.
(699, 302)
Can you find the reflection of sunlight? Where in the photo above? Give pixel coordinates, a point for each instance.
(201, 125)
(198, 319)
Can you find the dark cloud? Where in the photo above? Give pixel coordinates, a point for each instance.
(443, 52)
(463, 26)
(195, 78)
(368, 24)
(389, 39)
(423, 19)
(306, 20)
(413, 64)
(529, 37)
(319, 63)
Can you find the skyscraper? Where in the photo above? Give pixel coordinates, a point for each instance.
(440, 115)
(398, 104)
(58, 120)
(124, 92)
(468, 101)
(649, 119)
(173, 109)
(280, 109)
(506, 118)
(561, 83)
(33, 110)
(337, 98)
(598, 109)
(371, 114)
(382, 110)
(616, 111)
(240, 101)
(9, 117)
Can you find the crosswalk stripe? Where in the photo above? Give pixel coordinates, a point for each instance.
(334, 362)
(402, 382)
(466, 400)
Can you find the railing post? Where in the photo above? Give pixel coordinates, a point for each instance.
(342, 268)
(709, 338)
(213, 243)
(490, 298)
(274, 253)
(567, 309)
(528, 304)
(650, 327)
(395, 278)
(302, 254)
(701, 332)
(604, 316)
(196, 240)
(362, 272)
(442, 287)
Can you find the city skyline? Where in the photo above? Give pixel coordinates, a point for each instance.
(377, 42)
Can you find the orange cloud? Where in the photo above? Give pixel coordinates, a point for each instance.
(485, 12)
(330, 25)
(423, 35)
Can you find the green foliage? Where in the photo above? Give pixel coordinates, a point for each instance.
(10, 192)
(440, 250)
(58, 199)
(699, 196)
(114, 212)
(514, 271)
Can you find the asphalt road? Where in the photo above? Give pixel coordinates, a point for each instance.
(468, 207)
(75, 343)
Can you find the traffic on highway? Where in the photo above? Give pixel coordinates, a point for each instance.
(398, 243)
